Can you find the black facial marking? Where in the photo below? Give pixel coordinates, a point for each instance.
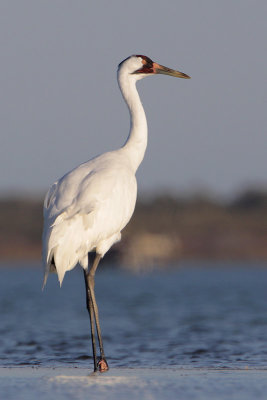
(147, 67)
(123, 61)
(147, 59)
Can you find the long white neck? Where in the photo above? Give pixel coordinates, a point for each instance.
(136, 143)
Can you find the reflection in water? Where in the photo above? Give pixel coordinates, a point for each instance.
(197, 317)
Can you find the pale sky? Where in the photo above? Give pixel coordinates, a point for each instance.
(60, 104)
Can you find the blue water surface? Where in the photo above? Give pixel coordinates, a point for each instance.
(195, 315)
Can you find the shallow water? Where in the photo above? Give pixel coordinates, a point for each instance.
(198, 316)
(31, 383)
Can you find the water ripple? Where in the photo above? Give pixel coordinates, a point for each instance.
(185, 317)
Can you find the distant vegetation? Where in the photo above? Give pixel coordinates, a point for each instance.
(164, 229)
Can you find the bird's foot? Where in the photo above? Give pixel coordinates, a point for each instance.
(102, 365)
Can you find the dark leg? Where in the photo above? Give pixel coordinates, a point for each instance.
(102, 364)
(89, 306)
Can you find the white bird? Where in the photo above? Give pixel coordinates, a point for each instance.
(87, 208)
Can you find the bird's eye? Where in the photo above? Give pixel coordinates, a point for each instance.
(147, 67)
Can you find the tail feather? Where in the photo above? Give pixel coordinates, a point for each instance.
(49, 268)
(65, 245)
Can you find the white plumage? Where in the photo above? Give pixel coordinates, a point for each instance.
(88, 207)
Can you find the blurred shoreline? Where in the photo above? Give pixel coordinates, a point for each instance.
(163, 230)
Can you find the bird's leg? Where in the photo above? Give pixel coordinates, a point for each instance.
(90, 309)
(102, 364)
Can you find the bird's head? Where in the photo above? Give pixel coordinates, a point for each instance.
(141, 66)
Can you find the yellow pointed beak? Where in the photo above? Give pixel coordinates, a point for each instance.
(160, 69)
